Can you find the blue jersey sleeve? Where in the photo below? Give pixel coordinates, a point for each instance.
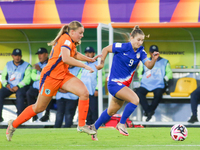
(119, 47)
(143, 57)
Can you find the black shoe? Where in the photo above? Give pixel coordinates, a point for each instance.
(44, 118)
(149, 116)
(35, 118)
(193, 119)
(145, 114)
(1, 119)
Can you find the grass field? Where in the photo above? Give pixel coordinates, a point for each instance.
(109, 139)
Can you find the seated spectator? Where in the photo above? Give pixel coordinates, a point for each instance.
(32, 93)
(66, 104)
(91, 82)
(16, 77)
(153, 80)
(195, 98)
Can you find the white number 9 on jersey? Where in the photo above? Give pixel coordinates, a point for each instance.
(131, 62)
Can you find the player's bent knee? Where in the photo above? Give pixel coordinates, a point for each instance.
(111, 113)
(84, 94)
(136, 101)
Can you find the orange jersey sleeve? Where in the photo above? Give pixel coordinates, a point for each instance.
(56, 68)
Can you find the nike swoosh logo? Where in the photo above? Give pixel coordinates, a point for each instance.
(125, 54)
(123, 131)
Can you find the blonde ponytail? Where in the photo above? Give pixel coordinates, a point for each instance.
(61, 32)
(66, 28)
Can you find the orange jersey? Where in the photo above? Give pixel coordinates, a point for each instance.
(56, 68)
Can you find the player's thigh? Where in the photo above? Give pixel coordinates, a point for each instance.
(128, 95)
(41, 103)
(75, 86)
(114, 106)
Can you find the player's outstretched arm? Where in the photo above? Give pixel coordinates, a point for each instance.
(149, 64)
(71, 61)
(82, 57)
(105, 51)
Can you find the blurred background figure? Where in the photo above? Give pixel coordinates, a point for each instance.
(91, 82)
(16, 78)
(153, 80)
(32, 93)
(66, 104)
(195, 98)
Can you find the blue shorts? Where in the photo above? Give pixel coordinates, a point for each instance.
(114, 87)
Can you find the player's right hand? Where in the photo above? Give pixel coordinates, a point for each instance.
(99, 67)
(89, 68)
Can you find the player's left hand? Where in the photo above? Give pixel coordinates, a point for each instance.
(95, 58)
(89, 69)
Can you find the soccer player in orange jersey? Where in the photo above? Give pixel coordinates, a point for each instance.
(56, 75)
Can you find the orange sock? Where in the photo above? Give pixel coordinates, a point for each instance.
(83, 106)
(24, 116)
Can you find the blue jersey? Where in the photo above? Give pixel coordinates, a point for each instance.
(125, 62)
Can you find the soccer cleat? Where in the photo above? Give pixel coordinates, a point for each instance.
(85, 129)
(94, 136)
(193, 119)
(10, 130)
(122, 129)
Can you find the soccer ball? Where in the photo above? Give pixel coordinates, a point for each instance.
(178, 132)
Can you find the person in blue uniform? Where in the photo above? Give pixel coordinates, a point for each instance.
(153, 80)
(33, 91)
(16, 78)
(125, 60)
(91, 82)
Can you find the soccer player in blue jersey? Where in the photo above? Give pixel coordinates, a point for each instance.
(125, 60)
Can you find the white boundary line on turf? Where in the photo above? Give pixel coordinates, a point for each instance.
(164, 145)
(148, 145)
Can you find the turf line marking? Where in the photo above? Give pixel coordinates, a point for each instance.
(118, 145)
(165, 145)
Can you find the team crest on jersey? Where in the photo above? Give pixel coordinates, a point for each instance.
(67, 42)
(138, 55)
(47, 91)
(118, 45)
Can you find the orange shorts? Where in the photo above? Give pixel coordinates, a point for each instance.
(49, 86)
